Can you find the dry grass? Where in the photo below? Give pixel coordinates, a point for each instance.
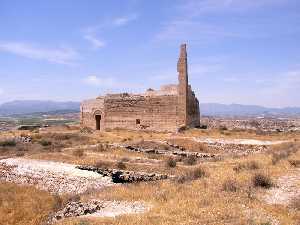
(211, 194)
(21, 205)
(295, 204)
(248, 165)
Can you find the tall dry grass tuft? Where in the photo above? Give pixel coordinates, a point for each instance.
(24, 205)
(249, 165)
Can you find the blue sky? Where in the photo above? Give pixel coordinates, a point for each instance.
(240, 51)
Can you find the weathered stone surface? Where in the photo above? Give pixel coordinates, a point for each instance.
(179, 152)
(123, 176)
(168, 109)
(73, 209)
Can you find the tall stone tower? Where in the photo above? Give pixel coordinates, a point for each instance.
(182, 69)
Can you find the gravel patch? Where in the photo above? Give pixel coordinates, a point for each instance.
(55, 177)
(117, 208)
(237, 141)
(287, 188)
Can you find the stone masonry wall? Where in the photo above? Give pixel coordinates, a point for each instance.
(193, 112)
(142, 112)
(88, 109)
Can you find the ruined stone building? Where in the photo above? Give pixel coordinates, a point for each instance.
(172, 107)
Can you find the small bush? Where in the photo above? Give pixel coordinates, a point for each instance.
(193, 175)
(73, 198)
(20, 154)
(8, 143)
(250, 165)
(83, 222)
(295, 203)
(121, 165)
(261, 180)
(101, 148)
(125, 159)
(58, 203)
(102, 164)
(190, 160)
(171, 163)
(223, 128)
(78, 152)
(283, 151)
(295, 162)
(276, 157)
(45, 143)
(198, 173)
(230, 185)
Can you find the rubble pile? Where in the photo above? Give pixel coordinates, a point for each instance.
(123, 176)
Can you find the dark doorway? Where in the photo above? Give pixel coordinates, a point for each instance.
(137, 121)
(98, 120)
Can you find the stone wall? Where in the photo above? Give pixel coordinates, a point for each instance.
(193, 111)
(88, 109)
(141, 112)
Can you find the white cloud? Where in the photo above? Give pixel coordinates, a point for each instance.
(1, 91)
(97, 43)
(121, 21)
(57, 55)
(100, 82)
(90, 33)
(190, 22)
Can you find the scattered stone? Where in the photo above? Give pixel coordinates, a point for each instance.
(97, 208)
(181, 152)
(73, 209)
(23, 139)
(123, 176)
(286, 189)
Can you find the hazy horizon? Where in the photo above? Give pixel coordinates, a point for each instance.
(62, 101)
(242, 52)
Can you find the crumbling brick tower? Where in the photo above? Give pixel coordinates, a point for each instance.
(188, 105)
(182, 87)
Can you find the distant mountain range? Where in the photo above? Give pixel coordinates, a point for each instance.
(207, 109)
(216, 109)
(37, 106)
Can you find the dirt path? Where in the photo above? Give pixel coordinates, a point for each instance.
(52, 176)
(286, 189)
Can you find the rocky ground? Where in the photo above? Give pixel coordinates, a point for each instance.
(195, 179)
(286, 189)
(55, 177)
(96, 208)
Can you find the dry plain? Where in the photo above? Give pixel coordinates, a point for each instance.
(142, 177)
